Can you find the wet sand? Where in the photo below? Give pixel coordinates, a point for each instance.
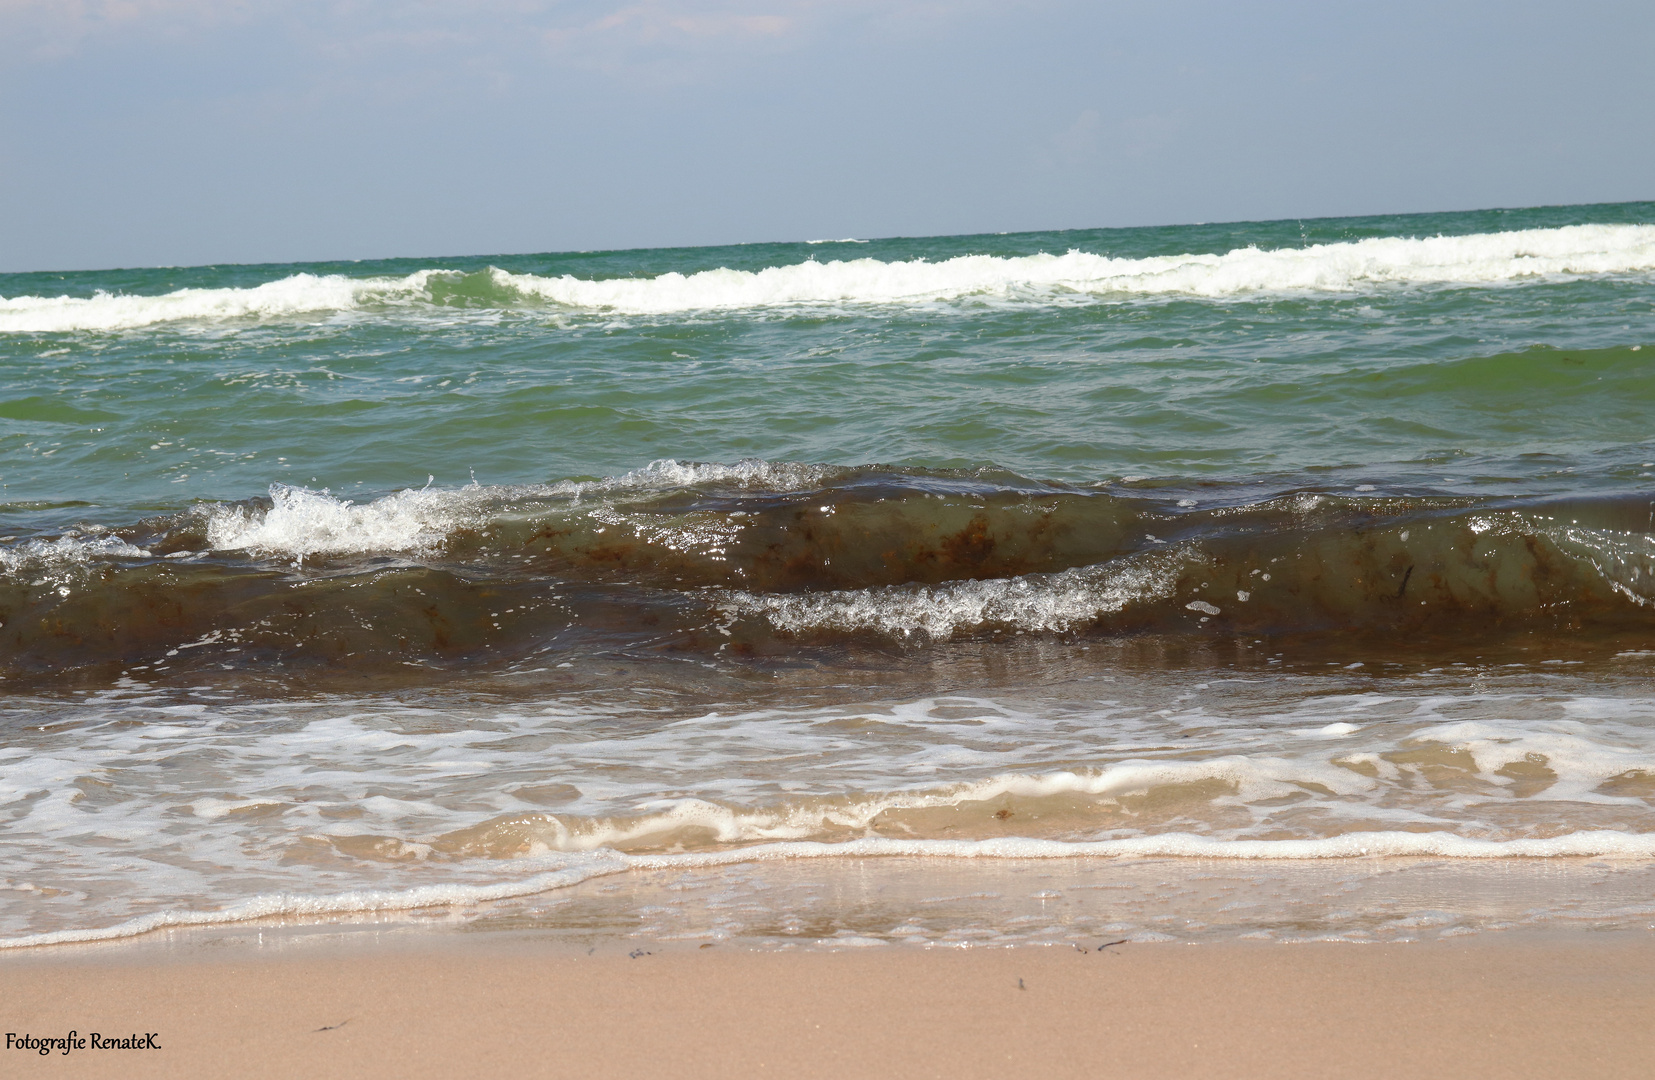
(441, 1004)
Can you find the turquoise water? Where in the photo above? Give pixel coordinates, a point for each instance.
(355, 587)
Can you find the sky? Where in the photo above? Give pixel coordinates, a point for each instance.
(188, 132)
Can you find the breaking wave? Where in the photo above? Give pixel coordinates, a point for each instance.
(301, 294)
(1040, 603)
(1340, 267)
(766, 558)
(300, 523)
(1482, 259)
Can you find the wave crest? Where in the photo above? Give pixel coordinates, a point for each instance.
(301, 523)
(1339, 267)
(1035, 603)
(1480, 259)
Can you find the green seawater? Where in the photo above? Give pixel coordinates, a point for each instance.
(1500, 378)
(1008, 571)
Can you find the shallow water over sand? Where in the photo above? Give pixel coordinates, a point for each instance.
(183, 807)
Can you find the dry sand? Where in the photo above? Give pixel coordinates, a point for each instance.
(507, 1005)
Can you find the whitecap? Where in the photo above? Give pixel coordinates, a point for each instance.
(1348, 266)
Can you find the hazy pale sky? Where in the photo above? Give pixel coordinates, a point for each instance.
(156, 132)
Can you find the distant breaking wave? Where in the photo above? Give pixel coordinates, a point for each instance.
(1482, 259)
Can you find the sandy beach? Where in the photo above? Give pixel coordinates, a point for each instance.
(433, 1004)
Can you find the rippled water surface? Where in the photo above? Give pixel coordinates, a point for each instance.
(350, 587)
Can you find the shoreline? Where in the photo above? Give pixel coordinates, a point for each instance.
(744, 898)
(425, 1002)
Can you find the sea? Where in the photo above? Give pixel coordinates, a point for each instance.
(1284, 580)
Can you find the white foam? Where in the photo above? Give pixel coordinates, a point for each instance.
(302, 522)
(1598, 843)
(300, 294)
(1059, 602)
(130, 811)
(1580, 759)
(60, 559)
(1482, 259)
(288, 904)
(1034, 602)
(1340, 267)
(667, 474)
(1248, 780)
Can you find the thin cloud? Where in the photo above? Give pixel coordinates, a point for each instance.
(56, 28)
